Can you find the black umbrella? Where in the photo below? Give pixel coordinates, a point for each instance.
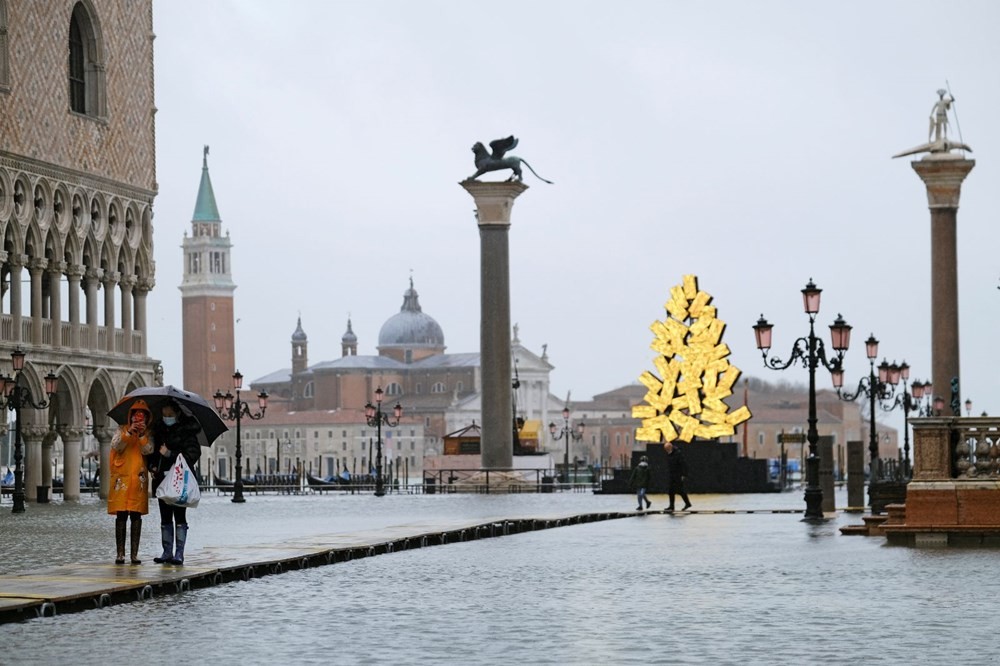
(192, 403)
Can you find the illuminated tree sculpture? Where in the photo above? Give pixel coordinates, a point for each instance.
(686, 400)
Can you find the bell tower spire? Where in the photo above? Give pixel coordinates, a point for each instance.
(207, 296)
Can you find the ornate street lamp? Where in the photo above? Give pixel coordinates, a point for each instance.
(880, 389)
(234, 409)
(567, 433)
(17, 396)
(376, 417)
(811, 352)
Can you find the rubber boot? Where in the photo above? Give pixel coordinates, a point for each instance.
(167, 537)
(120, 526)
(182, 532)
(135, 535)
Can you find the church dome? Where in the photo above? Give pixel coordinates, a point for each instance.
(410, 327)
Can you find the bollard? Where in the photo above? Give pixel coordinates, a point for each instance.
(43, 494)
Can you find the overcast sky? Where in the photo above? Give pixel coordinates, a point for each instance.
(748, 143)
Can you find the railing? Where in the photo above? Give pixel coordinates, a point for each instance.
(956, 448)
(977, 448)
(123, 345)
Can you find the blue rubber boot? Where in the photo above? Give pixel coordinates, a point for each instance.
(167, 537)
(179, 541)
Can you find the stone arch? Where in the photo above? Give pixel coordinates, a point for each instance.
(33, 376)
(101, 397)
(6, 193)
(98, 216)
(67, 406)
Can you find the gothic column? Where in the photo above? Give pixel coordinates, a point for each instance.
(91, 281)
(36, 269)
(108, 282)
(34, 464)
(103, 437)
(16, 263)
(493, 206)
(73, 275)
(48, 442)
(126, 284)
(943, 174)
(142, 289)
(55, 271)
(72, 445)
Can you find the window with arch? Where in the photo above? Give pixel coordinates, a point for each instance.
(87, 95)
(393, 389)
(760, 438)
(459, 386)
(439, 387)
(307, 390)
(419, 388)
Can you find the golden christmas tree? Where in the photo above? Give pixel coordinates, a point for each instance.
(686, 400)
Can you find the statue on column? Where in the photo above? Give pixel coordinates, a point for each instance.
(498, 159)
(938, 143)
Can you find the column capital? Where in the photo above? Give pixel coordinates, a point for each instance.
(16, 260)
(93, 274)
(145, 283)
(110, 277)
(75, 271)
(494, 200)
(37, 264)
(56, 267)
(127, 281)
(943, 177)
(71, 433)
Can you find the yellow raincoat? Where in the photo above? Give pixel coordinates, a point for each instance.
(129, 477)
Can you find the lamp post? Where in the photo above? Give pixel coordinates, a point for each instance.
(878, 388)
(234, 409)
(567, 434)
(376, 417)
(811, 352)
(16, 396)
(968, 407)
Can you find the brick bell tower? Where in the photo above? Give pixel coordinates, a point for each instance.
(207, 298)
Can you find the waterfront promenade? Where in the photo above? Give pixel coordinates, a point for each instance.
(705, 588)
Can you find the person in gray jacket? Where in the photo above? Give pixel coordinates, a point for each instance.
(639, 481)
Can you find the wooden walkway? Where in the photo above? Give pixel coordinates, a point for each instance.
(77, 587)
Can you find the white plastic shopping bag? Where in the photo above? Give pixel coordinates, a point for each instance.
(179, 486)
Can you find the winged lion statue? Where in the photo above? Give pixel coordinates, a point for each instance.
(499, 159)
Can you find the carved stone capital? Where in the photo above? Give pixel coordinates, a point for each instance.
(37, 264)
(75, 271)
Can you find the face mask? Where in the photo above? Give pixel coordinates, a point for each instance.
(169, 420)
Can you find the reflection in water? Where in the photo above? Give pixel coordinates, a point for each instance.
(698, 589)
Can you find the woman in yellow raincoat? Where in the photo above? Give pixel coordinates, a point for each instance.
(128, 497)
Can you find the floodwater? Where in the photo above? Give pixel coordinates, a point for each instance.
(657, 589)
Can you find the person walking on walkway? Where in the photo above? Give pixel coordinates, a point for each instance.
(128, 495)
(174, 433)
(639, 481)
(676, 476)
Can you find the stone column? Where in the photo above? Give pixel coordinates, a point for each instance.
(91, 280)
(126, 284)
(943, 174)
(142, 288)
(16, 263)
(48, 442)
(73, 276)
(36, 269)
(493, 205)
(34, 465)
(55, 271)
(72, 443)
(103, 437)
(108, 282)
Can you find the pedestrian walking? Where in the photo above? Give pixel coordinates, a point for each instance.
(639, 481)
(676, 476)
(174, 433)
(128, 495)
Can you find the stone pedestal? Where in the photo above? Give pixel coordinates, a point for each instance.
(855, 476)
(943, 174)
(494, 202)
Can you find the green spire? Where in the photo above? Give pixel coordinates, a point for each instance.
(205, 209)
